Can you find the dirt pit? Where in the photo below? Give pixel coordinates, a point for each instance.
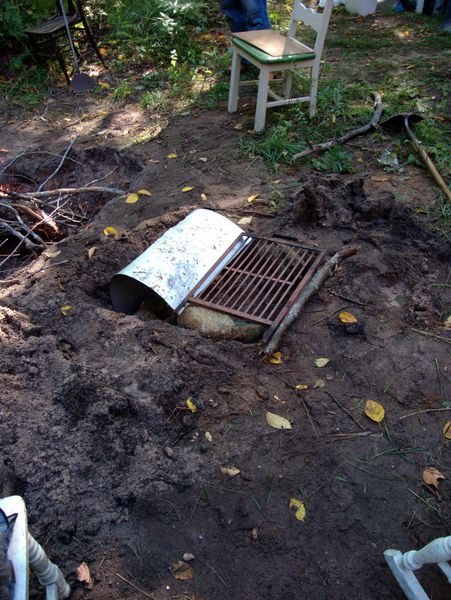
(117, 471)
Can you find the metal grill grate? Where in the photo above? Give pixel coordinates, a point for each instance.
(261, 281)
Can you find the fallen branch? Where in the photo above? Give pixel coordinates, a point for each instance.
(379, 109)
(311, 288)
(345, 410)
(63, 158)
(71, 191)
(432, 335)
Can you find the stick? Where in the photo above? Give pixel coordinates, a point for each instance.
(344, 409)
(313, 286)
(426, 410)
(79, 190)
(135, 587)
(379, 109)
(433, 335)
(343, 297)
(58, 167)
(309, 417)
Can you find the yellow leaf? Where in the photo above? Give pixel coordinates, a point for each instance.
(91, 252)
(181, 570)
(184, 575)
(132, 198)
(52, 252)
(347, 317)
(319, 383)
(447, 430)
(432, 476)
(301, 386)
(229, 471)
(300, 508)
(447, 322)
(172, 155)
(103, 51)
(321, 362)
(334, 119)
(275, 359)
(277, 422)
(103, 85)
(111, 232)
(187, 189)
(144, 193)
(374, 411)
(190, 404)
(238, 126)
(65, 310)
(252, 198)
(59, 283)
(208, 436)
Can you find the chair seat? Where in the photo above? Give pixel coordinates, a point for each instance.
(267, 59)
(52, 26)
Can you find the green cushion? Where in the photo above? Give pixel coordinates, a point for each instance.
(267, 59)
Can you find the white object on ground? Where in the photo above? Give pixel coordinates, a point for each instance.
(24, 552)
(402, 565)
(361, 7)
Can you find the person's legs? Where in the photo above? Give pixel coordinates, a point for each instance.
(234, 12)
(256, 14)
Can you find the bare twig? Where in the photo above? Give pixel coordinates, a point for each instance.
(433, 335)
(63, 158)
(307, 412)
(72, 191)
(379, 108)
(343, 297)
(426, 410)
(330, 315)
(345, 410)
(138, 589)
(102, 178)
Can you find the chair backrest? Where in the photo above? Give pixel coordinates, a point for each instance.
(316, 20)
(71, 9)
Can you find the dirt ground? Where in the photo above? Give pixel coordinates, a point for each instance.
(94, 428)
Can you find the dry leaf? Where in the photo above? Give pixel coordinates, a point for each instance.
(447, 430)
(238, 126)
(321, 362)
(374, 411)
(301, 386)
(132, 198)
(203, 158)
(276, 181)
(59, 283)
(65, 310)
(245, 221)
(229, 471)
(254, 534)
(447, 322)
(190, 404)
(275, 359)
(82, 574)
(277, 422)
(347, 317)
(181, 570)
(432, 476)
(203, 197)
(300, 508)
(172, 155)
(91, 252)
(208, 436)
(187, 188)
(252, 198)
(111, 232)
(52, 252)
(319, 383)
(144, 192)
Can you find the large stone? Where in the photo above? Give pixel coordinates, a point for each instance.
(219, 326)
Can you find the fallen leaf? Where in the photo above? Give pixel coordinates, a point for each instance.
(447, 430)
(301, 386)
(275, 359)
(229, 471)
(347, 317)
(173, 155)
(91, 252)
(187, 188)
(253, 198)
(238, 126)
(59, 283)
(103, 51)
(144, 193)
(276, 181)
(65, 310)
(52, 252)
(132, 198)
(245, 221)
(111, 232)
(447, 322)
(190, 404)
(380, 178)
(254, 534)
(334, 119)
(319, 383)
(103, 84)
(203, 197)
(82, 574)
(181, 570)
(432, 476)
(203, 158)
(321, 362)
(208, 436)
(420, 211)
(300, 508)
(374, 411)
(277, 422)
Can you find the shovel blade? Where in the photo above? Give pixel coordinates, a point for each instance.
(81, 82)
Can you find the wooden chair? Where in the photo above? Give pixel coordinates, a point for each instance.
(44, 37)
(271, 51)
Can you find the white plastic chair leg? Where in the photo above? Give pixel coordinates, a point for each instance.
(288, 85)
(314, 90)
(402, 565)
(48, 573)
(262, 100)
(234, 82)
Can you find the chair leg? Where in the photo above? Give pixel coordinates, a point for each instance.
(60, 59)
(314, 90)
(288, 85)
(234, 82)
(262, 100)
(91, 38)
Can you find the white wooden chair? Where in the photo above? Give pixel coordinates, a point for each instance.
(271, 51)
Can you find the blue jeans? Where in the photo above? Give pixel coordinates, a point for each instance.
(245, 15)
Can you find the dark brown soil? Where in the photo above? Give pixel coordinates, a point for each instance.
(91, 402)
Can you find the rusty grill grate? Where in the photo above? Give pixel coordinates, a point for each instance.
(261, 281)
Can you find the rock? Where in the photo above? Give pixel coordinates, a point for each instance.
(188, 556)
(219, 326)
(169, 452)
